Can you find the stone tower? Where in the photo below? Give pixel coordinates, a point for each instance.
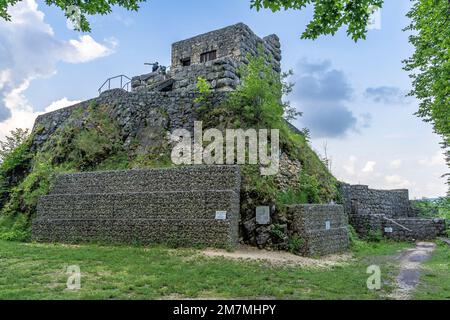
(214, 56)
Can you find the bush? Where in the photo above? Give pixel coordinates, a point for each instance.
(296, 243)
(14, 228)
(12, 141)
(432, 208)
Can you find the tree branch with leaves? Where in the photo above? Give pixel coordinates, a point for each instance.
(430, 64)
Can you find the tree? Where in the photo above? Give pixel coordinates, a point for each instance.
(10, 143)
(430, 64)
(329, 15)
(76, 10)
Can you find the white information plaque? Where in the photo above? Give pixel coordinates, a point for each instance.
(263, 215)
(221, 215)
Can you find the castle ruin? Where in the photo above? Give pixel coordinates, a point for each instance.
(215, 56)
(198, 204)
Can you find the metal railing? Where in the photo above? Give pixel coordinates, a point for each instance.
(124, 83)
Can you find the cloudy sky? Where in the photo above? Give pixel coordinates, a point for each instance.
(352, 95)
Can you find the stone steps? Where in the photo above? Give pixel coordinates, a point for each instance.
(147, 206)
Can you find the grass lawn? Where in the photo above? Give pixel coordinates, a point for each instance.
(38, 271)
(435, 279)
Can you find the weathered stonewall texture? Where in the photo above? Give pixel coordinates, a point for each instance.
(402, 229)
(361, 199)
(145, 116)
(173, 205)
(309, 222)
(387, 213)
(229, 48)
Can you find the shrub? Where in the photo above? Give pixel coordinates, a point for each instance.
(296, 243)
(12, 141)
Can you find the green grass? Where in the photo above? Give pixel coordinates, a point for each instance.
(38, 271)
(435, 279)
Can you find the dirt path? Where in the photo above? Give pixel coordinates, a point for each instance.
(278, 257)
(410, 264)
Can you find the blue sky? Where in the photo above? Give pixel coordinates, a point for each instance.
(351, 94)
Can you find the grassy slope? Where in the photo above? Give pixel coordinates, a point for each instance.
(37, 271)
(435, 279)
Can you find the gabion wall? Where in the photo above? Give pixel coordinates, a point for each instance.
(359, 199)
(401, 229)
(321, 228)
(174, 205)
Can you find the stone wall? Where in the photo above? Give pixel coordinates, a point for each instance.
(145, 206)
(401, 229)
(144, 116)
(233, 42)
(221, 74)
(387, 213)
(232, 45)
(321, 228)
(359, 199)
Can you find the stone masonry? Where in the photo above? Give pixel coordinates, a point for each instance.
(180, 205)
(321, 228)
(215, 56)
(173, 205)
(144, 116)
(387, 213)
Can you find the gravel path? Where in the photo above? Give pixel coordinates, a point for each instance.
(410, 265)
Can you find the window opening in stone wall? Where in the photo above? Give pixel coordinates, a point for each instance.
(208, 56)
(185, 62)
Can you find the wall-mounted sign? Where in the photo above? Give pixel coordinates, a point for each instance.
(327, 225)
(263, 215)
(388, 230)
(221, 215)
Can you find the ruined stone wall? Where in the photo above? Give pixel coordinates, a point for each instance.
(234, 42)
(401, 229)
(322, 228)
(359, 199)
(221, 74)
(173, 205)
(231, 45)
(144, 116)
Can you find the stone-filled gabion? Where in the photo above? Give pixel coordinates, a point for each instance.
(387, 213)
(309, 223)
(393, 203)
(172, 205)
(401, 229)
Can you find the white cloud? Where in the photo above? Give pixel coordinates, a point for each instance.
(397, 182)
(349, 166)
(438, 159)
(369, 167)
(29, 50)
(61, 103)
(395, 164)
(24, 117)
(5, 75)
(86, 49)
